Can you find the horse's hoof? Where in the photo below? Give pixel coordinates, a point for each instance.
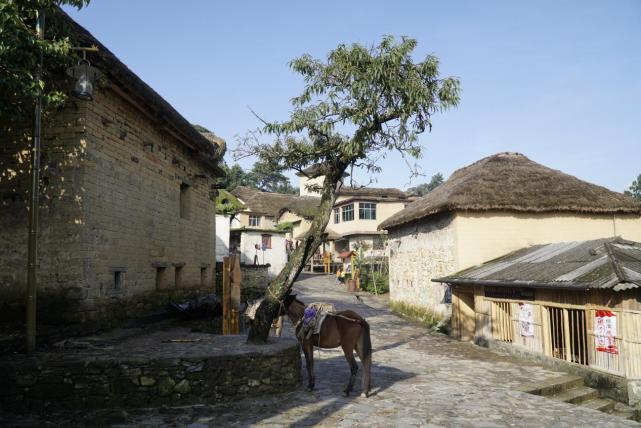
(365, 394)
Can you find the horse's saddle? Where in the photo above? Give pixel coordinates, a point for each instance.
(313, 318)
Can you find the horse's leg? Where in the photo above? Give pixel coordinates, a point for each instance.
(348, 350)
(308, 350)
(364, 350)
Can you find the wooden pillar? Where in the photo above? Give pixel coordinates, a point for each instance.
(235, 279)
(226, 296)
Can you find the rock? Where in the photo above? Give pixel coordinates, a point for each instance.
(183, 387)
(165, 385)
(147, 381)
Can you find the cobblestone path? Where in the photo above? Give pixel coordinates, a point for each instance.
(420, 379)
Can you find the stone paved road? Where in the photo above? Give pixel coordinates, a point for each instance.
(420, 379)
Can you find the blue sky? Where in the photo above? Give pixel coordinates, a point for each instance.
(559, 81)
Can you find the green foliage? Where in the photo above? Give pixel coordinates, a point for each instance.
(357, 105)
(226, 203)
(425, 188)
(260, 177)
(375, 282)
(285, 226)
(635, 189)
(426, 317)
(20, 50)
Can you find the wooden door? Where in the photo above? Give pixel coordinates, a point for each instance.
(466, 316)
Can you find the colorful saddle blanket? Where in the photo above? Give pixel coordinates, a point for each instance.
(313, 318)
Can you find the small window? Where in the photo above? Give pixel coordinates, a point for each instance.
(203, 277)
(254, 221)
(348, 212)
(366, 211)
(185, 201)
(378, 243)
(267, 242)
(119, 280)
(179, 276)
(161, 278)
(337, 215)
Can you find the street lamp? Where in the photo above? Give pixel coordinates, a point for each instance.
(86, 76)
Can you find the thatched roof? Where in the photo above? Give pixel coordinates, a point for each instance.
(274, 204)
(610, 263)
(512, 182)
(378, 192)
(139, 93)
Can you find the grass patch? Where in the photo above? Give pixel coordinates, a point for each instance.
(426, 317)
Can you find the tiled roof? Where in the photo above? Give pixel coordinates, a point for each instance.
(611, 263)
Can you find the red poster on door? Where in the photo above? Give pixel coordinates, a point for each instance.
(605, 331)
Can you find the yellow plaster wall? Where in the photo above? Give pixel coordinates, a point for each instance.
(483, 236)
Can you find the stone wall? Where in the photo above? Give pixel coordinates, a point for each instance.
(417, 253)
(129, 215)
(150, 372)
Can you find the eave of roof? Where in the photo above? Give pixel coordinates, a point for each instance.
(139, 93)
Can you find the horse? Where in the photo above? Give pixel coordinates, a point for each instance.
(346, 329)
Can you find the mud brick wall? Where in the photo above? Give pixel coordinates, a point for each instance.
(220, 369)
(127, 223)
(419, 252)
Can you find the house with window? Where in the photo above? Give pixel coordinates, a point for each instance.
(127, 202)
(494, 206)
(573, 303)
(262, 231)
(356, 215)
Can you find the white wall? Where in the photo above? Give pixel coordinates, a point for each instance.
(222, 236)
(276, 256)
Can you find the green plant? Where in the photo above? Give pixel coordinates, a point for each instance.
(285, 226)
(427, 317)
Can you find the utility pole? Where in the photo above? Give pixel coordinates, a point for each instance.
(32, 262)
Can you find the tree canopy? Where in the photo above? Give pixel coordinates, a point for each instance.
(261, 177)
(20, 50)
(357, 106)
(635, 189)
(425, 188)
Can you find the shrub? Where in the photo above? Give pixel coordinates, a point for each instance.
(427, 317)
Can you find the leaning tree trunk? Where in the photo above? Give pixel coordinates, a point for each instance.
(268, 309)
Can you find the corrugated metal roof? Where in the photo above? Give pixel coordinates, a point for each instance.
(610, 263)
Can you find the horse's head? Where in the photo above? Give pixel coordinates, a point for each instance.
(288, 299)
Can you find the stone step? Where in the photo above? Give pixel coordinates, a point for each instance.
(576, 395)
(555, 385)
(624, 411)
(601, 404)
(625, 414)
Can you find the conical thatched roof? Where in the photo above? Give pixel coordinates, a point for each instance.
(512, 182)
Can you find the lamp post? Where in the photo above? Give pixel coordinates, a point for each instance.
(86, 76)
(32, 246)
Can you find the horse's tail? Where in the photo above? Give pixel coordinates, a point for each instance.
(364, 349)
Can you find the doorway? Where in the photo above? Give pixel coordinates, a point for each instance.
(466, 316)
